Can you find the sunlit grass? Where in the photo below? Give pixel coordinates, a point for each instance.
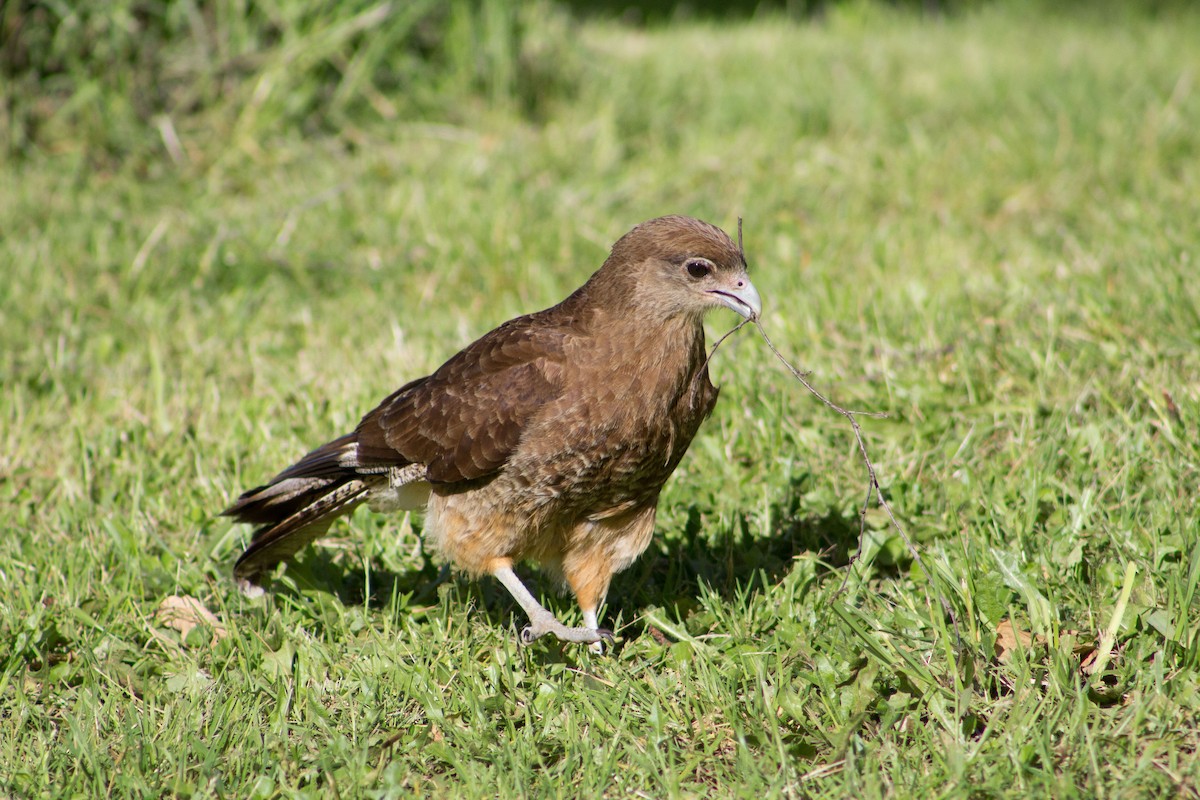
(983, 225)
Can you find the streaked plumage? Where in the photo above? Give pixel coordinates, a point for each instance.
(548, 438)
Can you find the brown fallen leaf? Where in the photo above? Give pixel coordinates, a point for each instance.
(1089, 661)
(185, 613)
(1008, 636)
(1083, 647)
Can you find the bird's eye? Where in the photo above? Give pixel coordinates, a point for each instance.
(698, 268)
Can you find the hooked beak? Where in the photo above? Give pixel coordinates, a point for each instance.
(742, 298)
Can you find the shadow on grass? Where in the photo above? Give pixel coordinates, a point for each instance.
(734, 565)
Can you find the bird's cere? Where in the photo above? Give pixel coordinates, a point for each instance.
(743, 299)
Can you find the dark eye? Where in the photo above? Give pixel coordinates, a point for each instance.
(698, 268)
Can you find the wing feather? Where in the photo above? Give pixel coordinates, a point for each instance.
(465, 420)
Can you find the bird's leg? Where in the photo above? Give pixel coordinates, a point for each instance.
(590, 621)
(588, 575)
(542, 621)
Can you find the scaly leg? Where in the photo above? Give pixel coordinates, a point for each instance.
(542, 621)
(590, 621)
(588, 579)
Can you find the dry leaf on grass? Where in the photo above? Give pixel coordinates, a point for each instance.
(1089, 658)
(1008, 637)
(1083, 648)
(186, 613)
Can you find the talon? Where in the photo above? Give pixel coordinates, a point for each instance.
(529, 635)
(604, 642)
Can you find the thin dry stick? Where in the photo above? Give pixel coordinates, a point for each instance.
(713, 352)
(873, 487)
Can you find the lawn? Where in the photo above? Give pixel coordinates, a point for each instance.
(984, 224)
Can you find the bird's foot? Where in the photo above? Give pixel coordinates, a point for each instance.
(539, 626)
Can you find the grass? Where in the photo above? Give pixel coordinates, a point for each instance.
(984, 225)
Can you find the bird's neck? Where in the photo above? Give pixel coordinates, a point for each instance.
(668, 351)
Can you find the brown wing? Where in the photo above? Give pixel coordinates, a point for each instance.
(464, 421)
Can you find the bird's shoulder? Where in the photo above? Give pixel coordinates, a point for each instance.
(463, 420)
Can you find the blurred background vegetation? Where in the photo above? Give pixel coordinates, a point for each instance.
(121, 82)
(128, 78)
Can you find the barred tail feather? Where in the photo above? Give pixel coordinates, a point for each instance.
(273, 543)
(296, 507)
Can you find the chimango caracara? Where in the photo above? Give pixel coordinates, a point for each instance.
(548, 439)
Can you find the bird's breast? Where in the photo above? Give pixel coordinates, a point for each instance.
(618, 430)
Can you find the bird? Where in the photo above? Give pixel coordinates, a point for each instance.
(548, 439)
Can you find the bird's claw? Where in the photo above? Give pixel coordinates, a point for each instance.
(537, 629)
(605, 642)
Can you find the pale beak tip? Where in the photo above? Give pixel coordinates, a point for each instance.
(749, 295)
(743, 299)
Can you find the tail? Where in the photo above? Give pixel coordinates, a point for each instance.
(296, 507)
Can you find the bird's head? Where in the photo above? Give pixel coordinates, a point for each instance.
(677, 265)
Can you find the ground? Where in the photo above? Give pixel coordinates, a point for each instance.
(983, 224)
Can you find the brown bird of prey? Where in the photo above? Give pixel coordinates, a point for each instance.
(548, 439)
